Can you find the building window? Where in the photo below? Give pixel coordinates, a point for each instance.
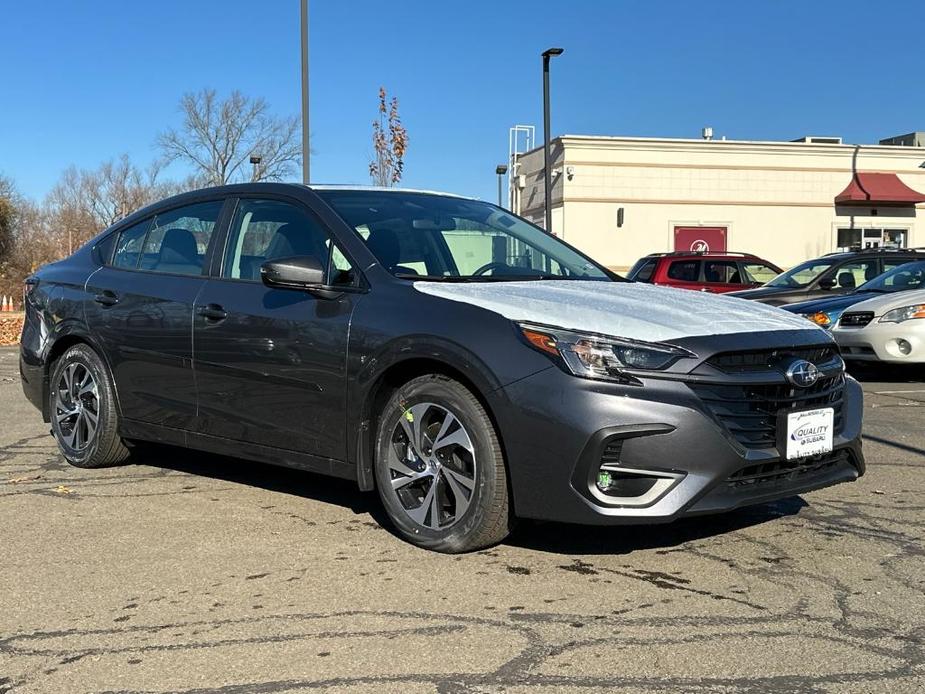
(859, 239)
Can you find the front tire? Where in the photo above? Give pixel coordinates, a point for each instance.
(439, 467)
(84, 420)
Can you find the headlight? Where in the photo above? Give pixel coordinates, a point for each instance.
(603, 358)
(820, 318)
(898, 315)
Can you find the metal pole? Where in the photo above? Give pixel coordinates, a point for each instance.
(306, 152)
(500, 177)
(547, 173)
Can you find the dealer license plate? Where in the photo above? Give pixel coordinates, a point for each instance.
(809, 432)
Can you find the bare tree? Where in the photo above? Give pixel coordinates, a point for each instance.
(390, 142)
(83, 202)
(218, 137)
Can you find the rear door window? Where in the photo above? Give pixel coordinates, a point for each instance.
(178, 239)
(684, 270)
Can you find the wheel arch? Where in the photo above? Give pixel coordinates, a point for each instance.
(391, 379)
(57, 348)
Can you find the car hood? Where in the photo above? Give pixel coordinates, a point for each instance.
(887, 302)
(625, 309)
(830, 303)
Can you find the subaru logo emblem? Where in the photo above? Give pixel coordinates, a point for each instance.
(802, 373)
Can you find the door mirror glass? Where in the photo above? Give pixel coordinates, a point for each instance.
(295, 272)
(827, 283)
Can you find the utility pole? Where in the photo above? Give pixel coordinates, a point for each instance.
(305, 132)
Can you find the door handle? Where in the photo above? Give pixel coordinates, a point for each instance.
(106, 298)
(212, 312)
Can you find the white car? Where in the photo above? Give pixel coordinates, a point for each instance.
(888, 328)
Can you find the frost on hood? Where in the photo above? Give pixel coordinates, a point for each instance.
(624, 309)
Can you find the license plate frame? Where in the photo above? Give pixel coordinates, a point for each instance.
(805, 433)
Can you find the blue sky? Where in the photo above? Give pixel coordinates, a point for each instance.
(87, 81)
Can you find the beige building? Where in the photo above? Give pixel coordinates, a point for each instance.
(619, 198)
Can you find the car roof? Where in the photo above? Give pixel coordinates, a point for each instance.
(873, 253)
(704, 254)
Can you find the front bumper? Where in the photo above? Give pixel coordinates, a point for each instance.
(878, 341)
(555, 450)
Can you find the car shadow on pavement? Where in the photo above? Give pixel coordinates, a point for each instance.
(563, 538)
(273, 478)
(541, 536)
(885, 373)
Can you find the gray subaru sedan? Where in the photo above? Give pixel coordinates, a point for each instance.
(468, 366)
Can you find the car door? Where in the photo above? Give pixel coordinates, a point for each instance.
(270, 363)
(141, 311)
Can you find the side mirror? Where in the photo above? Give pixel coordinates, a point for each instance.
(827, 283)
(298, 272)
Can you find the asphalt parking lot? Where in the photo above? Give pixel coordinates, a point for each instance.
(196, 573)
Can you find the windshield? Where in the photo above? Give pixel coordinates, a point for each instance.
(801, 275)
(908, 276)
(426, 236)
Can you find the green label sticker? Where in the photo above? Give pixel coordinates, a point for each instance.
(409, 416)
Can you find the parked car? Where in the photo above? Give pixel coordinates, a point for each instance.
(825, 312)
(464, 363)
(704, 271)
(888, 328)
(832, 274)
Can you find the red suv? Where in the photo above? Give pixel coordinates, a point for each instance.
(707, 272)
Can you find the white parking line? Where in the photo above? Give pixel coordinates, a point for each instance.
(893, 392)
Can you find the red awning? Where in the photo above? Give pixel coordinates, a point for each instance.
(868, 188)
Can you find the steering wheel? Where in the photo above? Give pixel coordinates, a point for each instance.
(490, 266)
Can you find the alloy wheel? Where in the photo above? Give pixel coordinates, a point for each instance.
(432, 465)
(77, 407)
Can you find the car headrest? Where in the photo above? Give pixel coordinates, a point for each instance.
(292, 240)
(178, 247)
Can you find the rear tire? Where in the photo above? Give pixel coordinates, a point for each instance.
(439, 467)
(81, 402)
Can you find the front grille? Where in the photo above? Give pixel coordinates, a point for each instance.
(858, 319)
(761, 359)
(784, 471)
(750, 411)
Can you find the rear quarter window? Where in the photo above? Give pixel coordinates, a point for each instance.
(130, 244)
(684, 270)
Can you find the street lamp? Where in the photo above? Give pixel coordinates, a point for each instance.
(501, 169)
(547, 173)
(255, 160)
(306, 152)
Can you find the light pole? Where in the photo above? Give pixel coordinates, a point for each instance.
(547, 173)
(255, 160)
(305, 146)
(501, 169)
